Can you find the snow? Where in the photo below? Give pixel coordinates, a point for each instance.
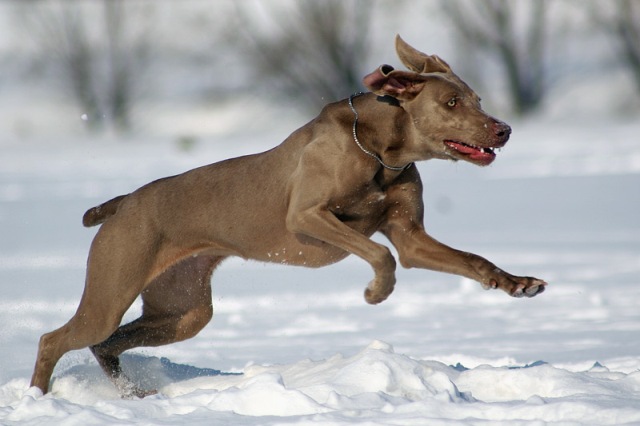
(300, 346)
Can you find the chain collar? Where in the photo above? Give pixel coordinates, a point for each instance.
(366, 151)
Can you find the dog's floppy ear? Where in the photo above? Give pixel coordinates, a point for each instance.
(385, 80)
(417, 61)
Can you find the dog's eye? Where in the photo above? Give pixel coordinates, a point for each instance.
(452, 102)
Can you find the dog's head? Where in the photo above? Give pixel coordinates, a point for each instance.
(445, 112)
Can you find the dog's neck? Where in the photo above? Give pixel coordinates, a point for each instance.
(382, 129)
(365, 150)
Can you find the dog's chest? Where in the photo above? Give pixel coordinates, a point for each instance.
(361, 209)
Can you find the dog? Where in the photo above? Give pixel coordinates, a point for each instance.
(310, 201)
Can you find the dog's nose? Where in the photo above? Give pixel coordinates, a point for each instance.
(502, 130)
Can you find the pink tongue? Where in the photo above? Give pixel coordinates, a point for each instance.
(474, 153)
(464, 148)
(467, 149)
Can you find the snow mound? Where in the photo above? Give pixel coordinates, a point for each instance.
(377, 386)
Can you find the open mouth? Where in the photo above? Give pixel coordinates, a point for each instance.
(476, 154)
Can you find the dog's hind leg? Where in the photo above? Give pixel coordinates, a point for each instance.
(118, 269)
(176, 306)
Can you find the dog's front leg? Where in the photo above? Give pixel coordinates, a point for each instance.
(419, 250)
(323, 225)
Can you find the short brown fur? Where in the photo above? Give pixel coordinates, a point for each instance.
(312, 201)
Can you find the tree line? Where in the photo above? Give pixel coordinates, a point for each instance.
(311, 51)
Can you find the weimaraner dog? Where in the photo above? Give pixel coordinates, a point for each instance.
(310, 201)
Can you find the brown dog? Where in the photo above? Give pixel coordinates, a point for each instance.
(311, 201)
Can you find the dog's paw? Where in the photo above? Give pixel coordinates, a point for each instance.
(378, 290)
(530, 288)
(516, 286)
(374, 298)
(136, 392)
(129, 390)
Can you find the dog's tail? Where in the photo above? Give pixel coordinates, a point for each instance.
(97, 215)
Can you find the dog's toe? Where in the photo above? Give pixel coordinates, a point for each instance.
(532, 291)
(535, 289)
(519, 292)
(528, 287)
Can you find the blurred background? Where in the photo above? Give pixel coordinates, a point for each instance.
(193, 68)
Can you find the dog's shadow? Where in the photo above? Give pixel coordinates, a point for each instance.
(147, 372)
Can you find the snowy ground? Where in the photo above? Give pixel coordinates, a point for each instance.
(299, 346)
